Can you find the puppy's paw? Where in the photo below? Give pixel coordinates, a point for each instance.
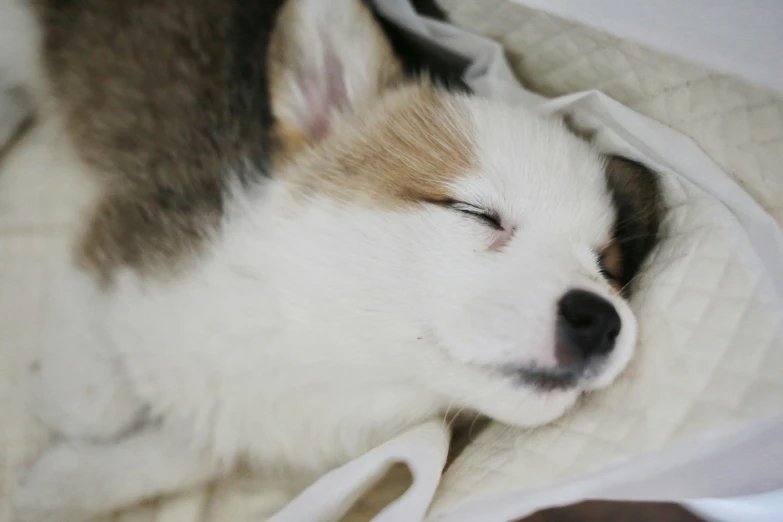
(49, 492)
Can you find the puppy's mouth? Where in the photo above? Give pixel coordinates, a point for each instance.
(553, 379)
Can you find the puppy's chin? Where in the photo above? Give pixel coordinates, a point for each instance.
(501, 397)
(528, 406)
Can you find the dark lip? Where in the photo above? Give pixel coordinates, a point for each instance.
(548, 379)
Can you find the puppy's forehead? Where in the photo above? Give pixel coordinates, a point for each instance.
(528, 165)
(421, 144)
(414, 147)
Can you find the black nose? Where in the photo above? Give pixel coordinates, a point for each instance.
(587, 326)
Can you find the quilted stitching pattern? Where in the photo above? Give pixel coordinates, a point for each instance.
(739, 126)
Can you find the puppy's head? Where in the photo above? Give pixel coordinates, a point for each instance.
(475, 248)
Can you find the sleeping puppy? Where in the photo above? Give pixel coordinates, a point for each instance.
(299, 245)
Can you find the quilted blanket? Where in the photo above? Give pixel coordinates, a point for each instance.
(711, 354)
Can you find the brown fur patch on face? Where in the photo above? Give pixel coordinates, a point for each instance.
(411, 149)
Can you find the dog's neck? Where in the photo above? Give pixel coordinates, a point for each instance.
(269, 336)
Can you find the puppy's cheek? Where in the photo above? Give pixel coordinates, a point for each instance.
(471, 338)
(487, 331)
(526, 408)
(488, 321)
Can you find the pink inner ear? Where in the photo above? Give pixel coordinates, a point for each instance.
(325, 92)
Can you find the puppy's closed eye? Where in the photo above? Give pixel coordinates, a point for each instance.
(491, 218)
(488, 217)
(502, 230)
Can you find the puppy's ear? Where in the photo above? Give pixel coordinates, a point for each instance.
(638, 197)
(327, 59)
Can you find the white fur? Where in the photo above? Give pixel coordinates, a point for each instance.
(313, 330)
